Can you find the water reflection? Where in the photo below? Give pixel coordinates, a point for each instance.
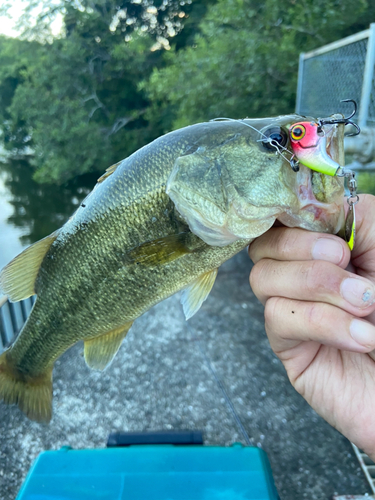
(39, 209)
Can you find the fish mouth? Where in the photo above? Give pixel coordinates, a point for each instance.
(334, 143)
(320, 195)
(313, 183)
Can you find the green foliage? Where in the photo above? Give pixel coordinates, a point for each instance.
(366, 182)
(75, 100)
(245, 60)
(76, 111)
(106, 86)
(15, 56)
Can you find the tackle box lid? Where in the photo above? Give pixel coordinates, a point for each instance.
(152, 472)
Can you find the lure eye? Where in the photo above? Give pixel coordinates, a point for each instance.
(297, 132)
(275, 136)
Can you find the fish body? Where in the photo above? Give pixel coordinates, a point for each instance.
(162, 220)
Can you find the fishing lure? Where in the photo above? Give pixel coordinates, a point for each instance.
(309, 146)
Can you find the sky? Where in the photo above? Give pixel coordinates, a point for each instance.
(7, 26)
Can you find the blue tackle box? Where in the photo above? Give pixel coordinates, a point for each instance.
(151, 472)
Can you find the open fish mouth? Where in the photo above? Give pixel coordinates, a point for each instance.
(319, 144)
(319, 190)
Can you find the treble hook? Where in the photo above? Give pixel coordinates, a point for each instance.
(346, 120)
(355, 108)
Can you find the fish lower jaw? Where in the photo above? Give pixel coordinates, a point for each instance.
(321, 211)
(323, 217)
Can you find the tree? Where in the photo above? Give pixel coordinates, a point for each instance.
(107, 86)
(245, 59)
(76, 111)
(77, 100)
(15, 57)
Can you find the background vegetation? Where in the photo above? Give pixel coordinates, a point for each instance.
(124, 72)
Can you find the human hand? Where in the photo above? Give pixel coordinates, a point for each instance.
(320, 318)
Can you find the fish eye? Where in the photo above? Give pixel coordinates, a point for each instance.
(275, 136)
(297, 132)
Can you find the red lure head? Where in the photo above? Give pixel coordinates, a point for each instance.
(304, 135)
(309, 142)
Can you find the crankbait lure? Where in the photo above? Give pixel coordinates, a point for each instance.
(309, 146)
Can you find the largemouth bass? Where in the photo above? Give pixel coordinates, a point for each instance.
(161, 220)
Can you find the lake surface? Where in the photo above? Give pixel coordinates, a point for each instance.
(30, 211)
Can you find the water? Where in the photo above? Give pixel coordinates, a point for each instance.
(29, 211)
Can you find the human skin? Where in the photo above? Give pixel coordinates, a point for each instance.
(320, 318)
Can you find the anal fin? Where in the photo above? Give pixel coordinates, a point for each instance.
(100, 351)
(197, 292)
(17, 279)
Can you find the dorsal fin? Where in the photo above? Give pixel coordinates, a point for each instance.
(100, 351)
(108, 172)
(197, 292)
(17, 279)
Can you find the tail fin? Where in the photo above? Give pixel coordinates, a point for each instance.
(32, 394)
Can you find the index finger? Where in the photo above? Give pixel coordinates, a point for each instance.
(285, 243)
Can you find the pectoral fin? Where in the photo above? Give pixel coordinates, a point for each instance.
(197, 292)
(100, 351)
(166, 249)
(17, 279)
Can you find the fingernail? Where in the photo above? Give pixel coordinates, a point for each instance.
(328, 249)
(358, 292)
(362, 332)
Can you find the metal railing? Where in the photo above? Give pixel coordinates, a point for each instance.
(367, 465)
(12, 318)
(340, 70)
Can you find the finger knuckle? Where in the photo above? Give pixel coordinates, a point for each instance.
(315, 276)
(258, 275)
(316, 317)
(272, 309)
(285, 242)
(252, 251)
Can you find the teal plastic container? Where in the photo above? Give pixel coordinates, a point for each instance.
(151, 472)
